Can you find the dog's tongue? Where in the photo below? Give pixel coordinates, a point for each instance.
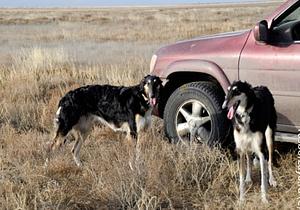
(153, 101)
(230, 113)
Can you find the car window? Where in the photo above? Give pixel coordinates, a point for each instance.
(294, 15)
(286, 29)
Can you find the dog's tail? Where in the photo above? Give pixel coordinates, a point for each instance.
(272, 115)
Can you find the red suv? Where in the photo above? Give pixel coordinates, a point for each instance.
(197, 72)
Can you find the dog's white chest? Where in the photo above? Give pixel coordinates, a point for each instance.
(247, 141)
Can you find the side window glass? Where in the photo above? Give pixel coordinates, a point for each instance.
(294, 16)
(287, 30)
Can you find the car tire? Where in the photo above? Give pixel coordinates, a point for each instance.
(194, 112)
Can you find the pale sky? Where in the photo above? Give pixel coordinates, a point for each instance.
(87, 3)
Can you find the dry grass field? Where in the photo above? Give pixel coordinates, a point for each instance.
(46, 52)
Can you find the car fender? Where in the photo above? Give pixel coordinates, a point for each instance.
(200, 66)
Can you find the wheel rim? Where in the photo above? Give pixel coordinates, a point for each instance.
(193, 121)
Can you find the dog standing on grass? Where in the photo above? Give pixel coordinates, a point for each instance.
(253, 114)
(125, 109)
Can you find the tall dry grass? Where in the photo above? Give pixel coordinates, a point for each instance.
(45, 53)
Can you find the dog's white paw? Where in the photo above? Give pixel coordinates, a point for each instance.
(78, 163)
(241, 200)
(264, 200)
(272, 182)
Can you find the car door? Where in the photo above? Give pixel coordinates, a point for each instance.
(276, 64)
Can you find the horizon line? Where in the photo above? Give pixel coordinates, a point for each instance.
(147, 5)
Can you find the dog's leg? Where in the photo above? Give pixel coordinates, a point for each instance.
(77, 139)
(242, 175)
(269, 139)
(57, 141)
(49, 148)
(249, 168)
(148, 126)
(77, 146)
(75, 151)
(133, 129)
(264, 184)
(134, 139)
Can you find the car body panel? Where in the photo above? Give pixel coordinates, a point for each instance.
(221, 51)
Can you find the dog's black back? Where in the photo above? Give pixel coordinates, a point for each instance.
(112, 103)
(263, 113)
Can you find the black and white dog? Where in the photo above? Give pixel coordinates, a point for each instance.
(253, 114)
(126, 109)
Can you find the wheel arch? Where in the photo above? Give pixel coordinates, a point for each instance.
(183, 72)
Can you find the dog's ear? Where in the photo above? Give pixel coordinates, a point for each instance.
(146, 77)
(160, 81)
(142, 83)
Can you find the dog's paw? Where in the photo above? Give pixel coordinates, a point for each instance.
(241, 201)
(264, 200)
(272, 182)
(78, 163)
